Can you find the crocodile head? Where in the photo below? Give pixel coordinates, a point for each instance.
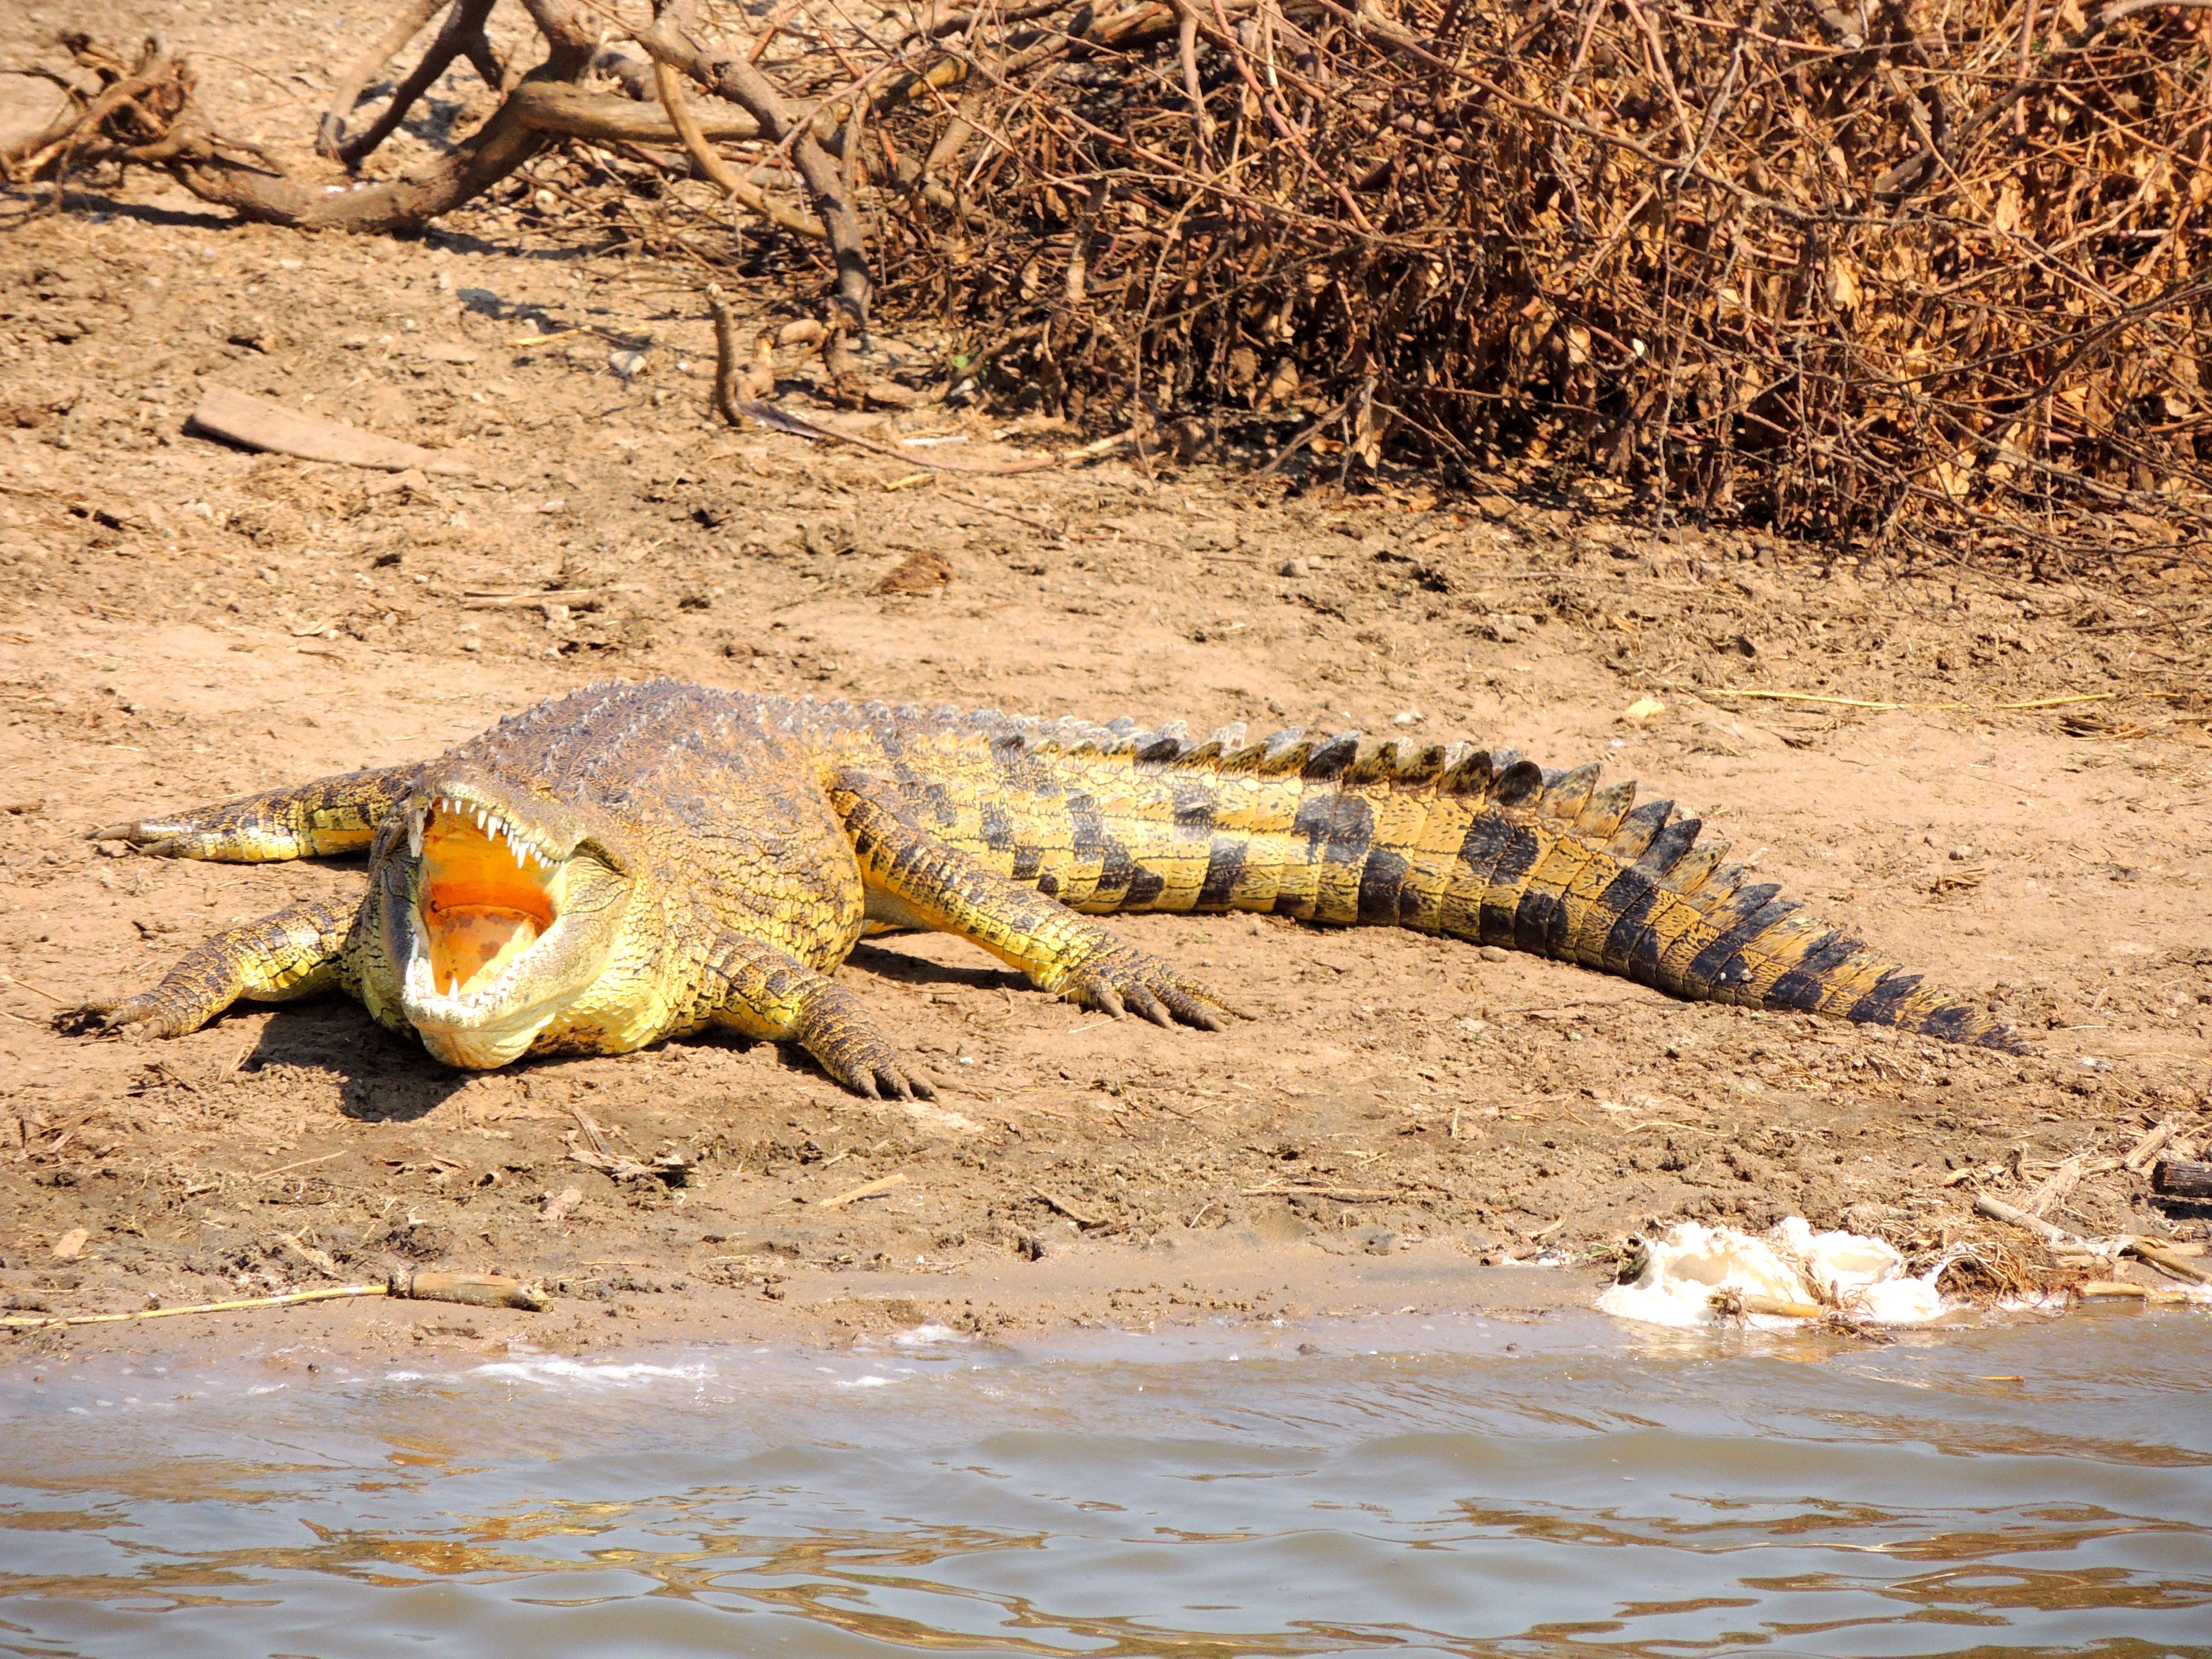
(499, 913)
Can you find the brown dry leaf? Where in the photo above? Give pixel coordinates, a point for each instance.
(916, 575)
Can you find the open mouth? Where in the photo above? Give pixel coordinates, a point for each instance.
(484, 895)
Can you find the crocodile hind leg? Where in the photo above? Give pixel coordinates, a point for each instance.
(294, 952)
(771, 995)
(321, 819)
(935, 885)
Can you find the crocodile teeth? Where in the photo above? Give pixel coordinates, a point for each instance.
(521, 846)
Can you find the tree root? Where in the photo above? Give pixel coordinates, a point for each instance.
(143, 116)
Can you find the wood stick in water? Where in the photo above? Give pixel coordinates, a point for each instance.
(2120, 1290)
(479, 1290)
(286, 1300)
(1755, 1303)
(1758, 1301)
(2166, 1262)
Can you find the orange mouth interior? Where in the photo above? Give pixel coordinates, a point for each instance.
(481, 903)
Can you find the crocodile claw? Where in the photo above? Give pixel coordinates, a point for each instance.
(888, 1080)
(1119, 979)
(847, 1045)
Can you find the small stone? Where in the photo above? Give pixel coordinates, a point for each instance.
(1407, 717)
(1294, 568)
(1960, 855)
(1493, 953)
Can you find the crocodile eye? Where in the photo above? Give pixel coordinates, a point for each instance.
(598, 855)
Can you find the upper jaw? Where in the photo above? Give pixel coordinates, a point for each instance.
(540, 833)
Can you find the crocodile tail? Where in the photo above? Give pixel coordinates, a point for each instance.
(1477, 845)
(1493, 848)
(1553, 863)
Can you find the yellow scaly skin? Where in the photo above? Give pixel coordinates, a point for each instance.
(707, 857)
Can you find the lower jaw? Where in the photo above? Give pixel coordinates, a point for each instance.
(475, 1051)
(476, 1045)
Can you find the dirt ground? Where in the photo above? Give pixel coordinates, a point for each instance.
(181, 621)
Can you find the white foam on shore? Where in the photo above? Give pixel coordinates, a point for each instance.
(553, 1371)
(929, 1335)
(1861, 1277)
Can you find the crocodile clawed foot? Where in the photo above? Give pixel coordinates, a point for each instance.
(847, 1047)
(879, 1075)
(140, 1016)
(1121, 979)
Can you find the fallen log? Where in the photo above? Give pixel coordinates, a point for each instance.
(2176, 1177)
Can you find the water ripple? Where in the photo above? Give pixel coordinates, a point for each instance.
(1579, 1495)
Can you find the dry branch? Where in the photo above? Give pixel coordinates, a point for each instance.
(462, 35)
(1747, 260)
(736, 79)
(144, 116)
(357, 76)
(718, 172)
(2177, 1178)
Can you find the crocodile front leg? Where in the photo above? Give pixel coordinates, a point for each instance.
(1071, 956)
(294, 952)
(329, 817)
(771, 995)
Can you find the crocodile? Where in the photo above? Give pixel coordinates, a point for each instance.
(638, 861)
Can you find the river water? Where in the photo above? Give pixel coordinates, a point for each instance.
(1564, 1486)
